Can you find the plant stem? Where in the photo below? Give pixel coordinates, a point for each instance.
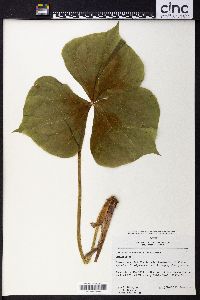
(80, 248)
(85, 259)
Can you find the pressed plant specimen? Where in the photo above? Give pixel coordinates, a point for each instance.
(125, 115)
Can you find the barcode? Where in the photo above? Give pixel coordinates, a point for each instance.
(93, 287)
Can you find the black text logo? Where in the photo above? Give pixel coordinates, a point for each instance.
(174, 8)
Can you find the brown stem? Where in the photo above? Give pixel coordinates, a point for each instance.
(80, 248)
(85, 258)
(105, 215)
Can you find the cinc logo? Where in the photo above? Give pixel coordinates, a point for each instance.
(174, 9)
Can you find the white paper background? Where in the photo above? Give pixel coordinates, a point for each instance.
(40, 190)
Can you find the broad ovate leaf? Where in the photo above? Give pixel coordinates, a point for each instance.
(54, 117)
(125, 126)
(102, 61)
(125, 115)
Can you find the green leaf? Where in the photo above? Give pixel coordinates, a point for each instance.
(126, 116)
(103, 61)
(54, 117)
(125, 126)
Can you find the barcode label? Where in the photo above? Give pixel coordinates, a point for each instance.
(93, 288)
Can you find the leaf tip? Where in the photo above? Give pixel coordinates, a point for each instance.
(116, 27)
(16, 130)
(19, 130)
(156, 152)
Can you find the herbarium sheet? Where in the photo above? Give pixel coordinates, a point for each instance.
(98, 157)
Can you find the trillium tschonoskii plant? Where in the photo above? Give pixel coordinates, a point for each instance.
(125, 121)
